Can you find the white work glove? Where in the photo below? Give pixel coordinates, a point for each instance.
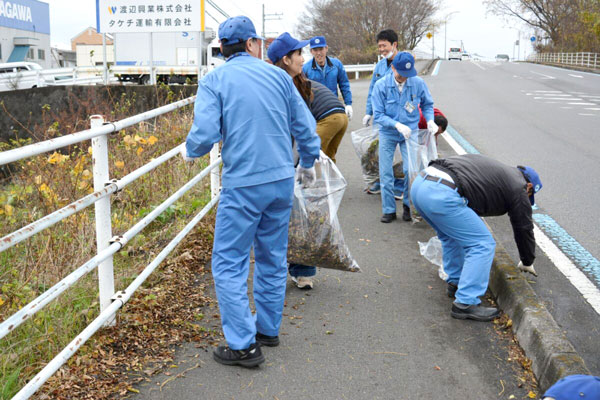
(349, 112)
(367, 119)
(527, 268)
(184, 155)
(404, 130)
(306, 176)
(432, 127)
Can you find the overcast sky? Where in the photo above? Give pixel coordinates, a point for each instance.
(480, 33)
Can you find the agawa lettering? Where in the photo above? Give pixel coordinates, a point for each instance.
(15, 11)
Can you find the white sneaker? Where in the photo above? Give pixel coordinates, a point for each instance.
(303, 282)
(399, 197)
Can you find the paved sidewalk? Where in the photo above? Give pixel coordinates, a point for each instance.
(385, 333)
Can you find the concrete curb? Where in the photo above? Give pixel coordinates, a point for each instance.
(553, 356)
(427, 69)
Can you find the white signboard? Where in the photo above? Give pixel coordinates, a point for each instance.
(126, 16)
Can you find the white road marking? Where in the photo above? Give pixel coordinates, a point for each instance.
(544, 75)
(454, 144)
(558, 95)
(567, 108)
(576, 76)
(478, 66)
(593, 109)
(586, 115)
(581, 104)
(557, 98)
(548, 91)
(577, 278)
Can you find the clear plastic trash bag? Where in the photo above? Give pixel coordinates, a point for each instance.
(315, 237)
(366, 145)
(421, 150)
(432, 251)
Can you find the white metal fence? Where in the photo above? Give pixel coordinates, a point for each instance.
(588, 60)
(107, 245)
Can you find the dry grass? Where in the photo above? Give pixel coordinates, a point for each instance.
(38, 186)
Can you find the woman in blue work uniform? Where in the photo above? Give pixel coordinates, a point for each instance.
(326, 108)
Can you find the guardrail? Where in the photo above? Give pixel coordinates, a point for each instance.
(107, 245)
(588, 60)
(357, 68)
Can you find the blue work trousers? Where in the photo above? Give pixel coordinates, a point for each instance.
(387, 147)
(255, 215)
(468, 246)
(297, 270)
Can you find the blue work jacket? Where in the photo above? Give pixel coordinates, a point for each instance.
(390, 106)
(254, 108)
(331, 75)
(381, 69)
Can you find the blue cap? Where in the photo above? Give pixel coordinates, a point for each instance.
(404, 63)
(283, 45)
(584, 387)
(237, 29)
(318, 41)
(534, 179)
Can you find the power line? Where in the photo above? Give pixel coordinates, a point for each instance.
(267, 17)
(219, 9)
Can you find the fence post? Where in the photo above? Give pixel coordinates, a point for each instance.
(356, 75)
(106, 279)
(215, 183)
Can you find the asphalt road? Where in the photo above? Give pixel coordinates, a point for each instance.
(385, 333)
(547, 118)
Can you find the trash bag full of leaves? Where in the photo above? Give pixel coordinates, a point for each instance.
(315, 235)
(366, 145)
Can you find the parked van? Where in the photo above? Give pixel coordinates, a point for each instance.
(455, 53)
(21, 75)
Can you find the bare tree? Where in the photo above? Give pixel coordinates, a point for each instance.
(548, 16)
(351, 26)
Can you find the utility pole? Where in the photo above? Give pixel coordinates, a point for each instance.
(267, 17)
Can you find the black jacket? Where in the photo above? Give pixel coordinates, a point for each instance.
(493, 188)
(324, 102)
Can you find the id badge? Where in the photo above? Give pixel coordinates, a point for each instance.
(409, 107)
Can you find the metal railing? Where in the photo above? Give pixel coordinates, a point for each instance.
(588, 60)
(107, 245)
(358, 68)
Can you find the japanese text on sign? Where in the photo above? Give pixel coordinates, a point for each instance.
(118, 16)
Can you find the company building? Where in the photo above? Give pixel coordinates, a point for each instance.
(25, 32)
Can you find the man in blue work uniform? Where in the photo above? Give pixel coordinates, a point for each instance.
(396, 101)
(387, 44)
(328, 71)
(452, 194)
(254, 109)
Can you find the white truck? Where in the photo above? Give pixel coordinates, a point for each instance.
(175, 56)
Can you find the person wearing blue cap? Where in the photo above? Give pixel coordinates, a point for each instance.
(452, 195)
(326, 108)
(328, 71)
(235, 106)
(387, 45)
(396, 102)
(575, 387)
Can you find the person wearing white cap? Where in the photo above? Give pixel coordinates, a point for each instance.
(236, 105)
